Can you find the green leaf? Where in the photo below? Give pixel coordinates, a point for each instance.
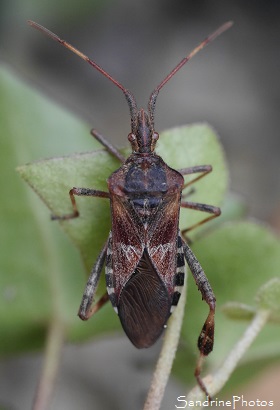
(41, 273)
(238, 311)
(192, 145)
(268, 297)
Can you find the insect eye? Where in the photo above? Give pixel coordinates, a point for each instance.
(155, 136)
(131, 137)
(133, 141)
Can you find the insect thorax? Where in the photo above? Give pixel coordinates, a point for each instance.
(145, 177)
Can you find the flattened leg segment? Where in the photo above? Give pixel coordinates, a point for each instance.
(206, 337)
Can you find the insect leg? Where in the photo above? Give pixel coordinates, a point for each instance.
(206, 338)
(202, 169)
(214, 210)
(109, 147)
(85, 310)
(79, 192)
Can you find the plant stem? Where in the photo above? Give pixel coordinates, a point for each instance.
(167, 355)
(55, 339)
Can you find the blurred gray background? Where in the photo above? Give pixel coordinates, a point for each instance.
(233, 84)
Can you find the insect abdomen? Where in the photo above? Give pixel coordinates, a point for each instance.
(144, 305)
(179, 277)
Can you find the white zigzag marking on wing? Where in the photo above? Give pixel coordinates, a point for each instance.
(162, 249)
(129, 251)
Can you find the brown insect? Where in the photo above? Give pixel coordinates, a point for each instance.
(145, 252)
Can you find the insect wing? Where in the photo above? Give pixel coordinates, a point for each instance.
(127, 246)
(163, 240)
(144, 305)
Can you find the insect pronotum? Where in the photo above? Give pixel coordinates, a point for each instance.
(145, 252)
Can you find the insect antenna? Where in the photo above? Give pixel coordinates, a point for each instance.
(128, 95)
(209, 39)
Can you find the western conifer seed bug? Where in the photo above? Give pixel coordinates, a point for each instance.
(145, 252)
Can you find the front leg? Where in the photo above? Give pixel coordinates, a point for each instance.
(79, 192)
(206, 338)
(109, 147)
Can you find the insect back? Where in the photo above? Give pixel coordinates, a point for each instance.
(141, 257)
